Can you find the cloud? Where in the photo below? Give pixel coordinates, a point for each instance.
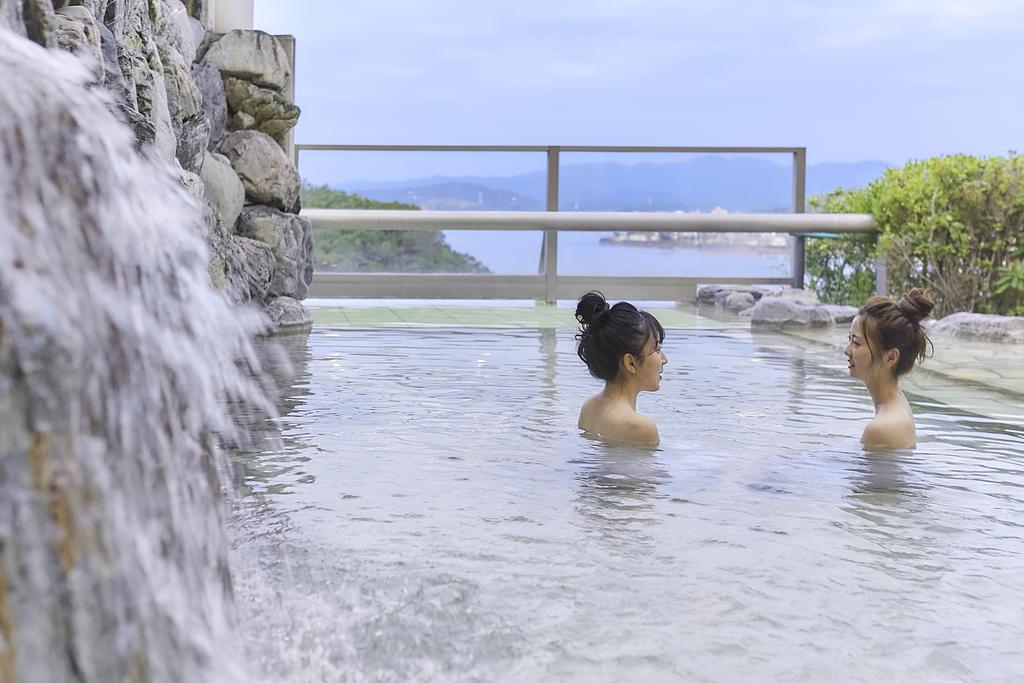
(667, 71)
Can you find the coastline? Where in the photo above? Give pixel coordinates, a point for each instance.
(766, 243)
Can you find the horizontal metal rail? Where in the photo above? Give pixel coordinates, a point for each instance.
(550, 285)
(589, 221)
(545, 148)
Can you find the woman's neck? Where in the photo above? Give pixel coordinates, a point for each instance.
(884, 390)
(620, 390)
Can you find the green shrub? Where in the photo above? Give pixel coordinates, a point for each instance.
(952, 224)
(841, 269)
(374, 251)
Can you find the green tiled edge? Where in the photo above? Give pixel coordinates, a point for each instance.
(457, 316)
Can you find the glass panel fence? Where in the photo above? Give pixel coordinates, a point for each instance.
(681, 183)
(425, 181)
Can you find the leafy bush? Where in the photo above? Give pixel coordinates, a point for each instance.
(841, 269)
(1011, 279)
(374, 251)
(953, 224)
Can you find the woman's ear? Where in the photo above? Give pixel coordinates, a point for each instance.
(629, 363)
(892, 356)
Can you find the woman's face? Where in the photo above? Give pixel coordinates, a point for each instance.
(649, 371)
(858, 354)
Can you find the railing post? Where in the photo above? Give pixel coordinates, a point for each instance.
(799, 200)
(881, 275)
(549, 254)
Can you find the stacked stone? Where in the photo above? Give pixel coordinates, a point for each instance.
(251, 184)
(215, 104)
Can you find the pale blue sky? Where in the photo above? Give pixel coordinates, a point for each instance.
(872, 79)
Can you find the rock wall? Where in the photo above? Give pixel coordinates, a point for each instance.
(121, 372)
(217, 106)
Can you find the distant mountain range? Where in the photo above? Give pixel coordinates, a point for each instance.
(700, 184)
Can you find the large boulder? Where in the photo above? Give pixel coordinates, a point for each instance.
(248, 269)
(266, 171)
(739, 301)
(113, 77)
(142, 66)
(174, 29)
(804, 296)
(201, 11)
(36, 19)
(288, 315)
(224, 191)
(183, 97)
(779, 312)
(995, 328)
(77, 31)
(215, 104)
(841, 314)
(290, 238)
(259, 108)
(193, 138)
(252, 55)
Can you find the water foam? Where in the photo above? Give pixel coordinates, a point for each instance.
(117, 363)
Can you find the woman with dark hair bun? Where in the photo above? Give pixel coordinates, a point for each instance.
(622, 346)
(886, 339)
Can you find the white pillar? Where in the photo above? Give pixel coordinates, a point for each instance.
(231, 14)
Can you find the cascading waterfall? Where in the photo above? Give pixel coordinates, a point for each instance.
(117, 363)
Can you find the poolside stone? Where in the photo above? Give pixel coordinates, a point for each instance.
(288, 315)
(739, 301)
(224, 191)
(841, 314)
(981, 326)
(290, 238)
(804, 296)
(778, 312)
(265, 170)
(253, 55)
(717, 294)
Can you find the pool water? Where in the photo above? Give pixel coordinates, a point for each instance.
(425, 509)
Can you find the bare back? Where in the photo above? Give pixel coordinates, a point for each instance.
(892, 426)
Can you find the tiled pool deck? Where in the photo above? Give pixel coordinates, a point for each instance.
(997, 370)
(420, 315)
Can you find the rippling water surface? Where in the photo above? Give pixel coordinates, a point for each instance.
(435, 515)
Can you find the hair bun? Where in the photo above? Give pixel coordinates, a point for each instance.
(591, 308)
(916, 305)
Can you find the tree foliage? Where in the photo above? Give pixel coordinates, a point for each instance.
(953, 224)
(375, 251)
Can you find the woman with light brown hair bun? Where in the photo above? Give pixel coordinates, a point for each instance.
(886, 339)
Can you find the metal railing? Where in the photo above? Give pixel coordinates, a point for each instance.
(548, 284)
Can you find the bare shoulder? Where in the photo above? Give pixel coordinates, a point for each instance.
(640, 429)
(587, 417)
(889, 432)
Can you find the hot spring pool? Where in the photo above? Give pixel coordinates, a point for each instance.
(434, 515)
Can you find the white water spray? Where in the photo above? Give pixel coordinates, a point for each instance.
(117, 362)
